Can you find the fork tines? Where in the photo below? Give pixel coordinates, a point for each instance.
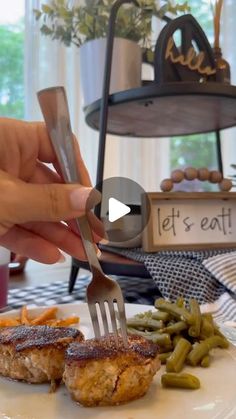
(105, 321)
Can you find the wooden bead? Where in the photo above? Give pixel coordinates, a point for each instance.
(166, 185)
(177, 176)
(215, 176)
(225, 185)
(203, 174)
(190, 173)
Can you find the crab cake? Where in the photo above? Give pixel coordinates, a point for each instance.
(98, 373)
(35, 354)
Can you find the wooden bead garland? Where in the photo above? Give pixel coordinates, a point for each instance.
(202, 174)
(166, 185)
(225, 185)
(190, 173)
(177, 176)
(215, 176)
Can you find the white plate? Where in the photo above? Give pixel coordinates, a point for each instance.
(214, 400)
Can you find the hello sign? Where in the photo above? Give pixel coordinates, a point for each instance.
(183, 53)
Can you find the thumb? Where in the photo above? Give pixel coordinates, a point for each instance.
(24, 202)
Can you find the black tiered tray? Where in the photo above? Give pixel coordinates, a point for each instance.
(170, 109)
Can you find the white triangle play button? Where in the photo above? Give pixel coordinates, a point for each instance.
(116, 209)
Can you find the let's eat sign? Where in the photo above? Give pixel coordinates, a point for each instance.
(178, 220)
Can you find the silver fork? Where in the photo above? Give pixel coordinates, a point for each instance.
(102, 292)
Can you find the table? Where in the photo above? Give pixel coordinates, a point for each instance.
(42, 284)
(38, 273)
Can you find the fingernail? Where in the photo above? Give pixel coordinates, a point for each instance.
(99, 253)
(61, 258)
(104, 241)
(84, 198)
(94, 199)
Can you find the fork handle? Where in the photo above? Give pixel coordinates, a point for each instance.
(87, 239)
(54, 107)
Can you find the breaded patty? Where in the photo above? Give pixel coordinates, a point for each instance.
(35, 354)
(97, 373)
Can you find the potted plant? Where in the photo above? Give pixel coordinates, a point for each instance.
(86, 26)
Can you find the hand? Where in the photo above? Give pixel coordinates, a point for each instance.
(34, 202)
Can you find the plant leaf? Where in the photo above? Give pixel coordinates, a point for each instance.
(47, 9)
(89, 20)
(37, 14)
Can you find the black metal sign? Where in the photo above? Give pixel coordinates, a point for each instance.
(183, 53)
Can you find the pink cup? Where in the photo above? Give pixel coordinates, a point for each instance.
(4, 275)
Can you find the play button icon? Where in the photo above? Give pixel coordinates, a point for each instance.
(121, 212)
(116, 210)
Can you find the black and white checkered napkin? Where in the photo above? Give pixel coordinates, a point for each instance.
(204, 275)
(135, 290)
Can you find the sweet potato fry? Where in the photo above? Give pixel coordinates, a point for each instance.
(24, 315)
(9, 322)
(49, 313)
(47, 317)
(63, 322)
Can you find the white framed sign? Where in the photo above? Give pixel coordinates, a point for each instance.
(185, 220)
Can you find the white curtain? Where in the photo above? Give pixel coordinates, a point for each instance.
(228, 32)
(48, 63)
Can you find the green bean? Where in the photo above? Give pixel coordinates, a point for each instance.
(183, 380)
(156, 315)
(197, 353)
(138, 332)
(207, 328)
(183, 335)
(166, 348)
(180, 313)
(218, 332)
(203, 348)
(144, 314)
(176, 361)
(160, 315)
(180, 302)
(194, 330)
(205, 362)
(175, 328)
(145, 322)
(163, 356)
(209, 317)
(176, 339)
(162, 339)
(217, 341)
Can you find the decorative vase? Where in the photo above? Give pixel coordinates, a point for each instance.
(125, 73)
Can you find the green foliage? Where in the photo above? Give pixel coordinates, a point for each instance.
(12, 71)
(78, 24)
(197, 150)
(194, 150)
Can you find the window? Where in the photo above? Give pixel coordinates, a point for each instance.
(196, 150)
(12, 59)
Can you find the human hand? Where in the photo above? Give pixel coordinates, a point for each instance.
(34, 200)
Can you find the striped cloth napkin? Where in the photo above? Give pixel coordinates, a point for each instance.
(223, 268)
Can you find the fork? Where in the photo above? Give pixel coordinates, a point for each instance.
(103, 293)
